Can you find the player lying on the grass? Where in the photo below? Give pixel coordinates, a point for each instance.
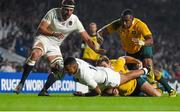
(98, 78)
(132, 87)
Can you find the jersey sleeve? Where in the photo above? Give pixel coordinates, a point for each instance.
(86, 75)
(118, 64)
(49, 16)
(121, 60)
(91, 83)
(80, 27)
(88, 79)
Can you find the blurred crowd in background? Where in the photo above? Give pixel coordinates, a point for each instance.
(19, 20)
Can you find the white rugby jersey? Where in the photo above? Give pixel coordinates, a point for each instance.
(92, 76)
(54, 18)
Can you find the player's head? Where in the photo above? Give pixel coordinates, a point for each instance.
(92, 27)
(127, 18)
(70, 65)
(110, 92)
(103, 61)
(67, 8)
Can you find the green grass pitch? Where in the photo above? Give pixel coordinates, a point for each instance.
(68, 102)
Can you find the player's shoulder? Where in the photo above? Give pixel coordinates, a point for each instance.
(121, 59)
(138, 22)
(74, 17)
(80, 61)
(113, 60)
(54, 10)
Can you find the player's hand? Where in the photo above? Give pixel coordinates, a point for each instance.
(99, 38)
(139, 65)
(59, 35)
(78, 93)
(138, 42)
(101, 51)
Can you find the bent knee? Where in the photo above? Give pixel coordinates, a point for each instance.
(36, 54)
(157, 93)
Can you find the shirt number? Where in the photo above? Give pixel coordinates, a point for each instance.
(91, 67)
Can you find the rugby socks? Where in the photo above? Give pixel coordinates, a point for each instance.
(165, 84)
(27, 70)
(150, 76)
(50, 80)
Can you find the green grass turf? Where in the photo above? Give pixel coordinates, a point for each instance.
(67, 102)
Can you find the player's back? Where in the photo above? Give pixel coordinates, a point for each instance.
(87, 72)
(119, 65)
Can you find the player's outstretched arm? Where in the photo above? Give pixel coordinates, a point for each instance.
(133, 74)
(101, 33)
(108, 29)
(91, 44)
(129, 59)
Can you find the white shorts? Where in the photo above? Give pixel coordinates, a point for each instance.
(49, 48)
(113, 78)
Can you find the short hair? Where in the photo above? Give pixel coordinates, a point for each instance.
(92, 23)
(68, 3)
(102, 59)
(127, 12)
(69, 60)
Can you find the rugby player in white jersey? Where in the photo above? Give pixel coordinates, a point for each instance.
(53, 29)
(98, 78)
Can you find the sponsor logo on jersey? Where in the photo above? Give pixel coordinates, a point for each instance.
(70, 23)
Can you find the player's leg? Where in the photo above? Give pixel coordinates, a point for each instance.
(150, 76)
(145, 55)
(36, 53)
(168, 88)
(147, 59)
(57, 72)
(147, 88)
